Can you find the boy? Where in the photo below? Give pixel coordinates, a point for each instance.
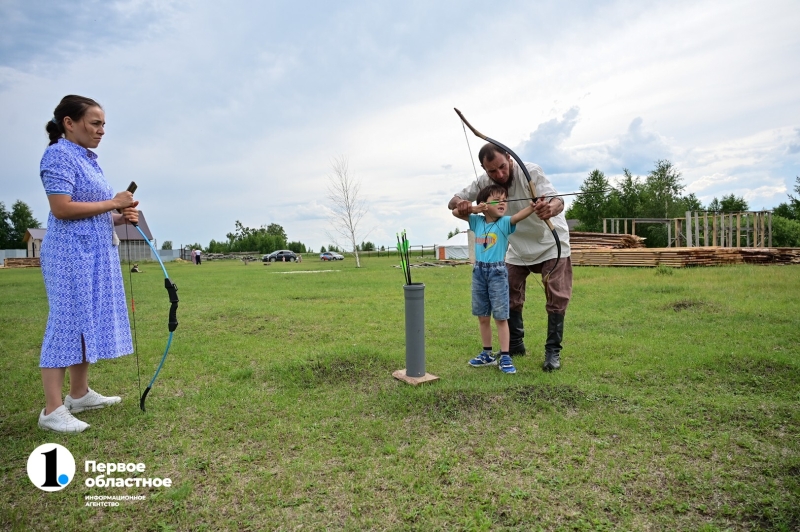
(489, 275)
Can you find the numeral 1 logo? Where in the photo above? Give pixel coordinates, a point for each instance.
(51, 467)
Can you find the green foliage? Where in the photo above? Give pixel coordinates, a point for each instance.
(729, 203)
(785, 210)
(297, 247)
(275, 230)
(591, 207)
(785, 232)
(450, 234)
(689, 203)
(6, 228)
(14, 224)
(333, 247)
(166, 244)
(662, 269)
(263, 240)
(367, 246)
(629, 194)
(322, 249)
(662, 191)
(790, 210)
(656, 234)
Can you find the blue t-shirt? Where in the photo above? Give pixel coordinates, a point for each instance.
(491, 238)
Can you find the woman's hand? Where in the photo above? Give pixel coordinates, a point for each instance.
(123, 200)
(131, 214)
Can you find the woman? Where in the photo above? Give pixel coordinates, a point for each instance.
(88, 318)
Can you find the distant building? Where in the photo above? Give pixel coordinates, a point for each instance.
(33, 237)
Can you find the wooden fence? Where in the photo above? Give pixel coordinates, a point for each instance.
(705, 229)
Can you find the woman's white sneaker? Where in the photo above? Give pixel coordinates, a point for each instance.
(60, 420)
(91, 401)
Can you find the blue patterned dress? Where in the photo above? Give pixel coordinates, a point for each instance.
(80, 265)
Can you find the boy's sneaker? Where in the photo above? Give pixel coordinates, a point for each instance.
(506, 364)
(484, 359)
(91, 401)
(60, 420)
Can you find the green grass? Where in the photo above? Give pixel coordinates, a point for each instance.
(677, 408)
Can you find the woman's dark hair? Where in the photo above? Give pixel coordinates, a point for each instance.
(487, 192)
(71, 106)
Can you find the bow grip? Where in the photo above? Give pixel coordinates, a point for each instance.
(172, 290)
(533, 194)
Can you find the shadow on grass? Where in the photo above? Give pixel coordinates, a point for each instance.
(755, 374)
(690, 305)
(542, 397)
(333, 369)
(773, 510)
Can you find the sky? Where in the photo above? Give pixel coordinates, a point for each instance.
(226, 111)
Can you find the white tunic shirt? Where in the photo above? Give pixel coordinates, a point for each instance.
(532, 242)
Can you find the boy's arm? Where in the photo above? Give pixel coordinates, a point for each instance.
(521, 215)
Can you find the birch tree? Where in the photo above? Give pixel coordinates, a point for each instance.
(347, 208)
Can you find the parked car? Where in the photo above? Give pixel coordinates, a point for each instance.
(280, 255)
(330, 255)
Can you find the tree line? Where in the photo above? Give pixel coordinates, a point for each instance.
(660, 194)
(14, 223)
(265, 239)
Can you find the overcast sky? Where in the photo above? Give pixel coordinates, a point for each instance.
(225, 111)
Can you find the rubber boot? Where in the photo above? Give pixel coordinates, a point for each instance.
(516, 331)
(552, 347)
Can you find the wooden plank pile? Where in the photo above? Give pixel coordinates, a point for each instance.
(771, 255)
(683, 257)
(22, 263)
(582, 240)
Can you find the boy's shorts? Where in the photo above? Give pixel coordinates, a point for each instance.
(490, 290)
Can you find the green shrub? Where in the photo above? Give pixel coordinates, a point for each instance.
(785, 232)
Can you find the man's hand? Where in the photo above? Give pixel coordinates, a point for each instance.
(464, 207)
(545, 210)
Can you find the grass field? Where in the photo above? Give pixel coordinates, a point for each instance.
(677, 408)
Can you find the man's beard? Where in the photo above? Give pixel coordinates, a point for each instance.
(509, 181)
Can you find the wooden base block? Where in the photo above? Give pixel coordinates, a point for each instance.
(400, 374)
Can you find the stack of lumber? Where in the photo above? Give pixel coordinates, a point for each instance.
(771, 255)
(582, 240)
(682, 257)
(22, 263)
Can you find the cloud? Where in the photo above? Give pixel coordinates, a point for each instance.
(638, 148)
(39, 36)
(794, 146)
(635, 149)
(545, 144)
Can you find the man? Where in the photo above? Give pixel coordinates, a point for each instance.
(531, 249)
